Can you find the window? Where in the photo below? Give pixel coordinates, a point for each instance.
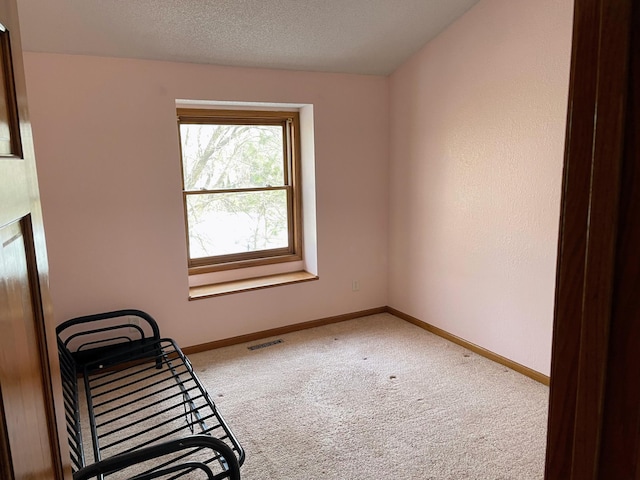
(241, 187)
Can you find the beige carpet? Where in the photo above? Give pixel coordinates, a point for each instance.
(374, 398)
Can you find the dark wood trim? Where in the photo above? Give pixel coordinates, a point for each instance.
(236, 262)
(11, 99)
(256, 262)
(572, 248)
(40, 329)
(601, 231)
(232, 116)
(273, 332)
(529, 372)
(284, 186)
(6, 461)
(620, 438)
(594, 406)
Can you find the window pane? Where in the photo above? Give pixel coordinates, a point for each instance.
(224, 223)
(232, 156)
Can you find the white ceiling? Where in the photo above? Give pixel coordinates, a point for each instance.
(350, 36)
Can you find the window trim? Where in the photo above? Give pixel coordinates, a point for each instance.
(292, 184)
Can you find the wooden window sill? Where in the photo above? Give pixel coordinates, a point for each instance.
(247, 284)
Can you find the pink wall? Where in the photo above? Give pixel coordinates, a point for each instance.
(477, 137)
(106, 139)
(450, 169)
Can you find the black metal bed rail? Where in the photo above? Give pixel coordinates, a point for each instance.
(180, 466)
(142, 401)
(71, 405)
(91, 337)
(172, 401)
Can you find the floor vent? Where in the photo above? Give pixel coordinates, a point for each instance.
(264, 345)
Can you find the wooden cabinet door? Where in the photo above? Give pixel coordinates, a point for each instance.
(29, 432)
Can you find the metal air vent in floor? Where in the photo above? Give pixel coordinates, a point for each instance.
(264, 345)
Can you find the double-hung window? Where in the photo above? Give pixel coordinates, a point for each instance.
(241, 187)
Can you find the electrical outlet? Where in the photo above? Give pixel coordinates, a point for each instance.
(355, 285)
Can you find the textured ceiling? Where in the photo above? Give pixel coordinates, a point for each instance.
(351, 36)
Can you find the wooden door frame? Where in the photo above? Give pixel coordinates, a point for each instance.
(594, 405)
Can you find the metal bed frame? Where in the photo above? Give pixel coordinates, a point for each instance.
(137, 397)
